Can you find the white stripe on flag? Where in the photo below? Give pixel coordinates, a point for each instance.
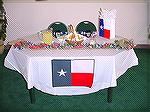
(82, 66)
(107, 23)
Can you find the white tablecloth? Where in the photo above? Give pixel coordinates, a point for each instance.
(35, 66)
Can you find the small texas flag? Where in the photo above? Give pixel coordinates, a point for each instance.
(72, 72)
(104, 30)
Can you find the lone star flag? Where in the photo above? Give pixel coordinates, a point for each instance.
(72, 72)
(104, 29)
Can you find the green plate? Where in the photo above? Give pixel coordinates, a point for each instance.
(86, 28)
(58, 29)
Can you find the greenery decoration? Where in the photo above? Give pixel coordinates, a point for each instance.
(3, 21)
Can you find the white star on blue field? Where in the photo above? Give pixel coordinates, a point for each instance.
(62, 73)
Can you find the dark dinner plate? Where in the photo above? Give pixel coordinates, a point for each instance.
(86, 28)
(58, 29)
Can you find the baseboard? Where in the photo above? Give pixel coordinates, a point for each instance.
(142, 46)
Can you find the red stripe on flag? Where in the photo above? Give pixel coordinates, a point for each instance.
(106, 33)
(82, 79)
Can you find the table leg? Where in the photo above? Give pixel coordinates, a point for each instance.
(32, 95)
(109, 94)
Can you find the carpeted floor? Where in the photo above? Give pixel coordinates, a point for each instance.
(131, 95)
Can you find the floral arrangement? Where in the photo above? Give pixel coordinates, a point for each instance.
(117, 44)
(73, 40)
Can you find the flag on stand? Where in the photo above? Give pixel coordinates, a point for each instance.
(72, 72)
(106, 21)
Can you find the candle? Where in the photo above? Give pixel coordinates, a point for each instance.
(47, 37)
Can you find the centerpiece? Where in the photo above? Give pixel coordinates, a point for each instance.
(73, 38)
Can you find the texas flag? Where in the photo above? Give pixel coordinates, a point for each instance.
(72, 72)
(104, 28)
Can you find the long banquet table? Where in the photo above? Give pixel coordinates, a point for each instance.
(36, 67)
